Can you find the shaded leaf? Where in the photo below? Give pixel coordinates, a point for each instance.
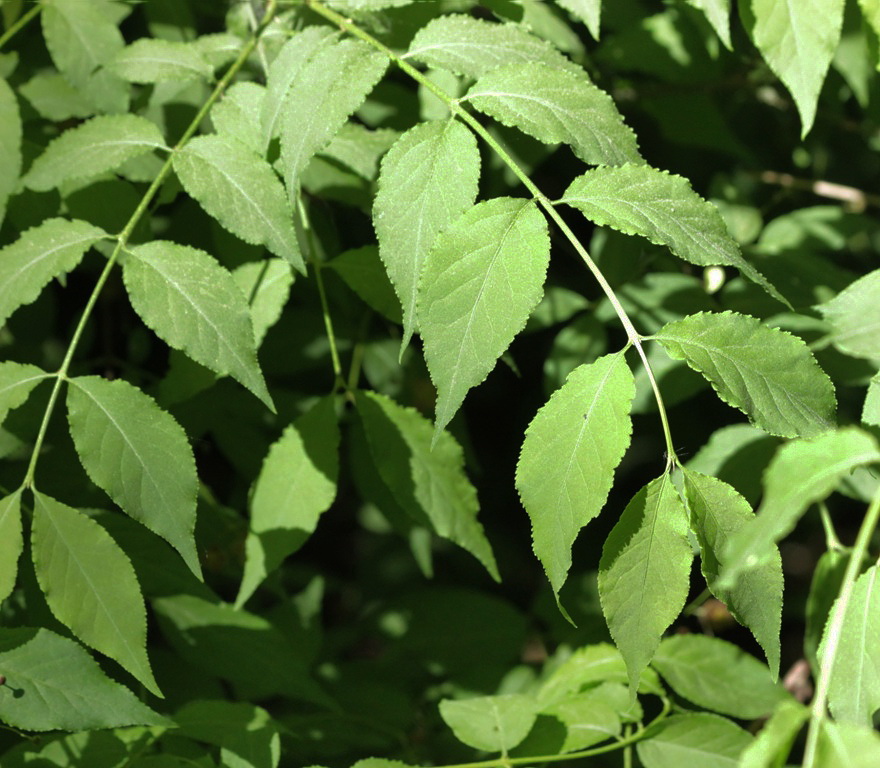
(717, 12)
(588, 11)
(90, 585)
(139, 455)
(266, 284)
(490, 723)
(151, 60)
(773, 742)
(555, 105)
(361, 269)
(588, 719)
(193, 304)
(11, 542)
(825, 587)
(644, 573)
(360, 149)
(10, 144)
(768, 374)
(17, 381)
(54, 98)
(571, 448)
(694, 739)
(479, 284)
(854, 317)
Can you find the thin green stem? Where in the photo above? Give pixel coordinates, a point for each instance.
(125, 234)
(835, 628)
(22, 22)
(831, 540)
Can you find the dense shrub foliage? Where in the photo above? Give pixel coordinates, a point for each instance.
(433, 382)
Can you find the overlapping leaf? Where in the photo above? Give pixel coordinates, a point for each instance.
(151, 60)
(556, 105)
(98, 145)
(773, 743)
(11, 542)
(427, 179)
(194, 305)
(40, 254)
(588, 11)
(571, 449)
(139, 455)
(10, 144)
(479, 283)
(239, 189)
(644, 573)
(266, 284)
(854, 316)
(718, 14)
(237, 115)
(662, 207)
(296, 485)
(770, 375)
(697, 739)
(844, 745)
(490, 723)
(90, 585)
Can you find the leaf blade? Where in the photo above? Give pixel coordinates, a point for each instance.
(11, 542)
(150, 60)
(490, 723)
(10, 145)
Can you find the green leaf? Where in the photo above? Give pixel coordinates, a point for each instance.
(360, 149)
(717, 512)
(588, 718)
(296, 485)
(266, 284)
(361, 269)
(17, 381)
(239, 189)
(717, 675)
(490, 723)
(871, 12)
(825, 586)
(773, 742)
(237, 115)
(571, 448)
(325, 91)
(52, 683)
(427, 480)
(818, 464)
(694, 739)
(194, 305)
(10, 145)
(854, 654)
(472, 47)
(768, 374)
(871, 409)
(555, 105)
(90, 585)
(718, 14)
(588, 11)
(92, 148)
(843, 745)
(479, 283)
(662, 207)
(644, 573)
(798, 41)
(854, 316)
(39, 255)
(11, 543)
(427, 179)
(155, 61)
(139, 455)
(54, 98)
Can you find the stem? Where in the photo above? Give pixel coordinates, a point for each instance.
(122, 240)
(835, 628)
(21, 23)
(831, 540)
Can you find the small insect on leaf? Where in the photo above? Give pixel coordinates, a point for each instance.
(2, 679)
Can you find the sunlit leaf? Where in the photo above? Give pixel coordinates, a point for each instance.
(588, 11)
(718, 14)
(698, 739)
(871, 409)
(490, 723)
(854, 316)
(155, 61)
(589, 718)
(773, 743)
(844, 745)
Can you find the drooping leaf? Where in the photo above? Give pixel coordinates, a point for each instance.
(773, 743)
(844, 745)
(139, 455)
(59, 686)
(588, 11)
(854, 654)
(326, 90)
(479, 283)
(296, 485)
(768, 374)
(10, 144)
(237, 115)
(871, 409)
(662, 207)
(193, 304)
(90, 585)
(362, 270)
(239, 189)
(428, 482)
(473, 47)
(571, 449)
(717, 512)
(11, 543)
(644, 573)
(94, 147)
(266, 284)
(798, 41)
(818, 464)
(718, 14)
(151, 60)
(694, 739)
(555, 105)
(40, 254)
(490, 723)
(854, 316)
(427, 179)
(17, 381)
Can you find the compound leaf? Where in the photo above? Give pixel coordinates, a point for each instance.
(98, 145)
(139, 455)
(490, 723)
(17, 381)
(296, 485)
(854, 316)
(194, 305)
(61, 687)
(90, 585)
(11, 543)
(571, 449)
(427, 179)
(556, 105)
(694, 739)
(155, 61)
(662, 207)
(644, 573)
(768, 374)
(10, 144)
(40, 254)
(479, 284)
